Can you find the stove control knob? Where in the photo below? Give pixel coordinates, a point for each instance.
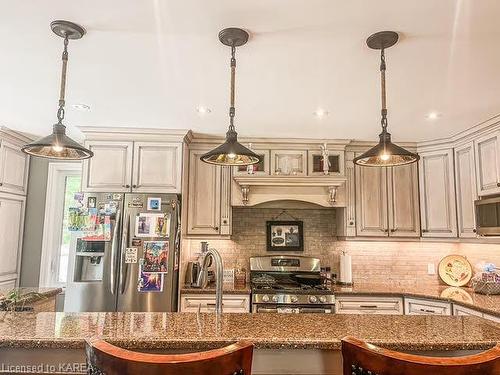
(313, 299)
(294, 299)
(265, 298)
(322, 299)
(275, 298)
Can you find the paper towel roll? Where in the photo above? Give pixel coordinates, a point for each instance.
(345, 269)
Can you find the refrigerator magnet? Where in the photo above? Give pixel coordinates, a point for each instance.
(154, 204)
(149, 282)
(136, 242)
(131, 255)
(91, 202)
(155, 256)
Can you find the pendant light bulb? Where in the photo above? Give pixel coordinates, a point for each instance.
(385, 153)
(58, 145)
(231, 152)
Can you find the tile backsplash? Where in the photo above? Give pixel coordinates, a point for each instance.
(399, 262)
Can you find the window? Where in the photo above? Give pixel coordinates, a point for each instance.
(63, 182)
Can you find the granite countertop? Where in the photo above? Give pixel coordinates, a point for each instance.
(266, 331)
(30, 295)
(228, 288)
(462, 296)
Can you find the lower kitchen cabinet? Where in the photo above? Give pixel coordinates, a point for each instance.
(368, 305)
(417, 306)
(231, 303)
(461, 310)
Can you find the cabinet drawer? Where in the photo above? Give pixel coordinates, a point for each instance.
(206, 303)
(414, 306)
(369, 305)
(464, 311)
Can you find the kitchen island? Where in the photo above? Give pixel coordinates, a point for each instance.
(284, 344)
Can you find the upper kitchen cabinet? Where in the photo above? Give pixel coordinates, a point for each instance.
(208, 197)
(133, 160)
(13, 168)
(437, 194)
(110, 169)
(387, 201)
(157, 167)
(487, 154)
(403, 205)
(465, 184)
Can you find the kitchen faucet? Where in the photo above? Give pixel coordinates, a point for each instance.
(203, 276)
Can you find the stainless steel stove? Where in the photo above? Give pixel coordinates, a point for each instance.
(289, 284)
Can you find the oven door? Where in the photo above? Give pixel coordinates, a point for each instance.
(293, 309)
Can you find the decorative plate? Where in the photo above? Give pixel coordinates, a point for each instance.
(455, 270)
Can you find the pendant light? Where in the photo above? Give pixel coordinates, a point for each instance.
(231, 152)
(58, 145)
(385, 153)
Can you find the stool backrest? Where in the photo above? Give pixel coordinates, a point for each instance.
(105, 358)
(361, 358)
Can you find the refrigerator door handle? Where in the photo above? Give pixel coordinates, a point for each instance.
(114, 253)
(125, 241)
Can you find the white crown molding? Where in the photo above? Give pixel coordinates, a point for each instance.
(15, 137)
(100, 133)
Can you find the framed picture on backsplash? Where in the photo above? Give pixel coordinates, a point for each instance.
(285, 236)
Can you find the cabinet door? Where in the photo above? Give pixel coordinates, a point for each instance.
(13, 169)
(110, 169)
(487, 152)
(465, 183)
(404, 217)
(157, 167)
(11, 234)
(371, 201)
(437, 194)
(204, 196)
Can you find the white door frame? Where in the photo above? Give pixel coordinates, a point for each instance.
(52, 223)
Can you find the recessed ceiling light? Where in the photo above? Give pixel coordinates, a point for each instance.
(81, 107)
(433, 115)
(320, 113)
(203, 110)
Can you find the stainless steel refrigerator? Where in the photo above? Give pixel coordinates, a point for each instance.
(124, 252)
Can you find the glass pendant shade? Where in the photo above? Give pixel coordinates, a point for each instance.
(386, 154)
(58, 146)
(231, 153)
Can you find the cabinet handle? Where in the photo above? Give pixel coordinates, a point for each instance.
(425, 230)
(428, 311)
(368, 306)
(393, 230)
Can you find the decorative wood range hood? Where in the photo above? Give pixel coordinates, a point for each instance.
(326, 191)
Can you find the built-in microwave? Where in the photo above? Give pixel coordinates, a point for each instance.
(488, 216)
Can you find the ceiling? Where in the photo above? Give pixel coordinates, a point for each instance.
(151, 63)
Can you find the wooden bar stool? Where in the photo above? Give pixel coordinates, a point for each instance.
(104, 358)
(361, 358)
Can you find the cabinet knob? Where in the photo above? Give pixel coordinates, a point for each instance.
(498, 184)
(134, 186)
(425, 230)
(393, 230)
(474, 230)
(216, 228)
(127, 186)
(1, 183)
